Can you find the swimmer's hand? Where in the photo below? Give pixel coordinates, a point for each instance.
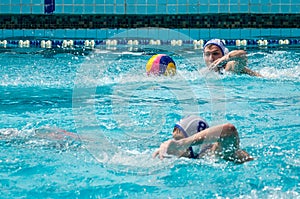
(219, 63)
(235, 61)
(170, 147)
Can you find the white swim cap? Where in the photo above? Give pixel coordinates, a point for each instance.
(191, 125)
(218, 43)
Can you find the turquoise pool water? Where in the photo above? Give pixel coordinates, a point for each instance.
(118, 116)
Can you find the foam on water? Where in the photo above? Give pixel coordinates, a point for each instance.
(119, 116)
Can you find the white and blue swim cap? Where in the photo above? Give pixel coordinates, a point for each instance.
(191, 125)
(219, 43)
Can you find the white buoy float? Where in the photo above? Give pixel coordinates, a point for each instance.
(64, 44)
(114, 42)
(3, 43)
(43, 44)
(179, 42)
(155, 42)
(262, 42)
(86, 43)
(286, 41)
(26, 43)
(198, 44)
(135, 42)
(244, 42)
(129, 42)
(173, 42)
(92, 43)
(20, 43)
(48, 44)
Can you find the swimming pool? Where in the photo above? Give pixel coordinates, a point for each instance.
(119, 116)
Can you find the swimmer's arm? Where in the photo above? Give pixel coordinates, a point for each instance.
(210, 135)
(170, 147)
(233, 61)
(236, 54)
(240, 68)
(178, 147)
(241, 156)
(251, 72)
(237, 62)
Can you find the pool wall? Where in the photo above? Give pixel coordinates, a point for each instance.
(102, 19)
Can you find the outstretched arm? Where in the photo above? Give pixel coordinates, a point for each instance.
(171, 147)
(235, 61)
(225, 136)
(251, 72)
(178, 147)
(230, 60)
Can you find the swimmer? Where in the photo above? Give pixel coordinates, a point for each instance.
(52, 133)
(192, 133)
(47, 136)
(218, 58)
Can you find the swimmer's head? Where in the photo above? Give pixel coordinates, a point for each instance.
(219, 43)
(213, 50)
(189, 126)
